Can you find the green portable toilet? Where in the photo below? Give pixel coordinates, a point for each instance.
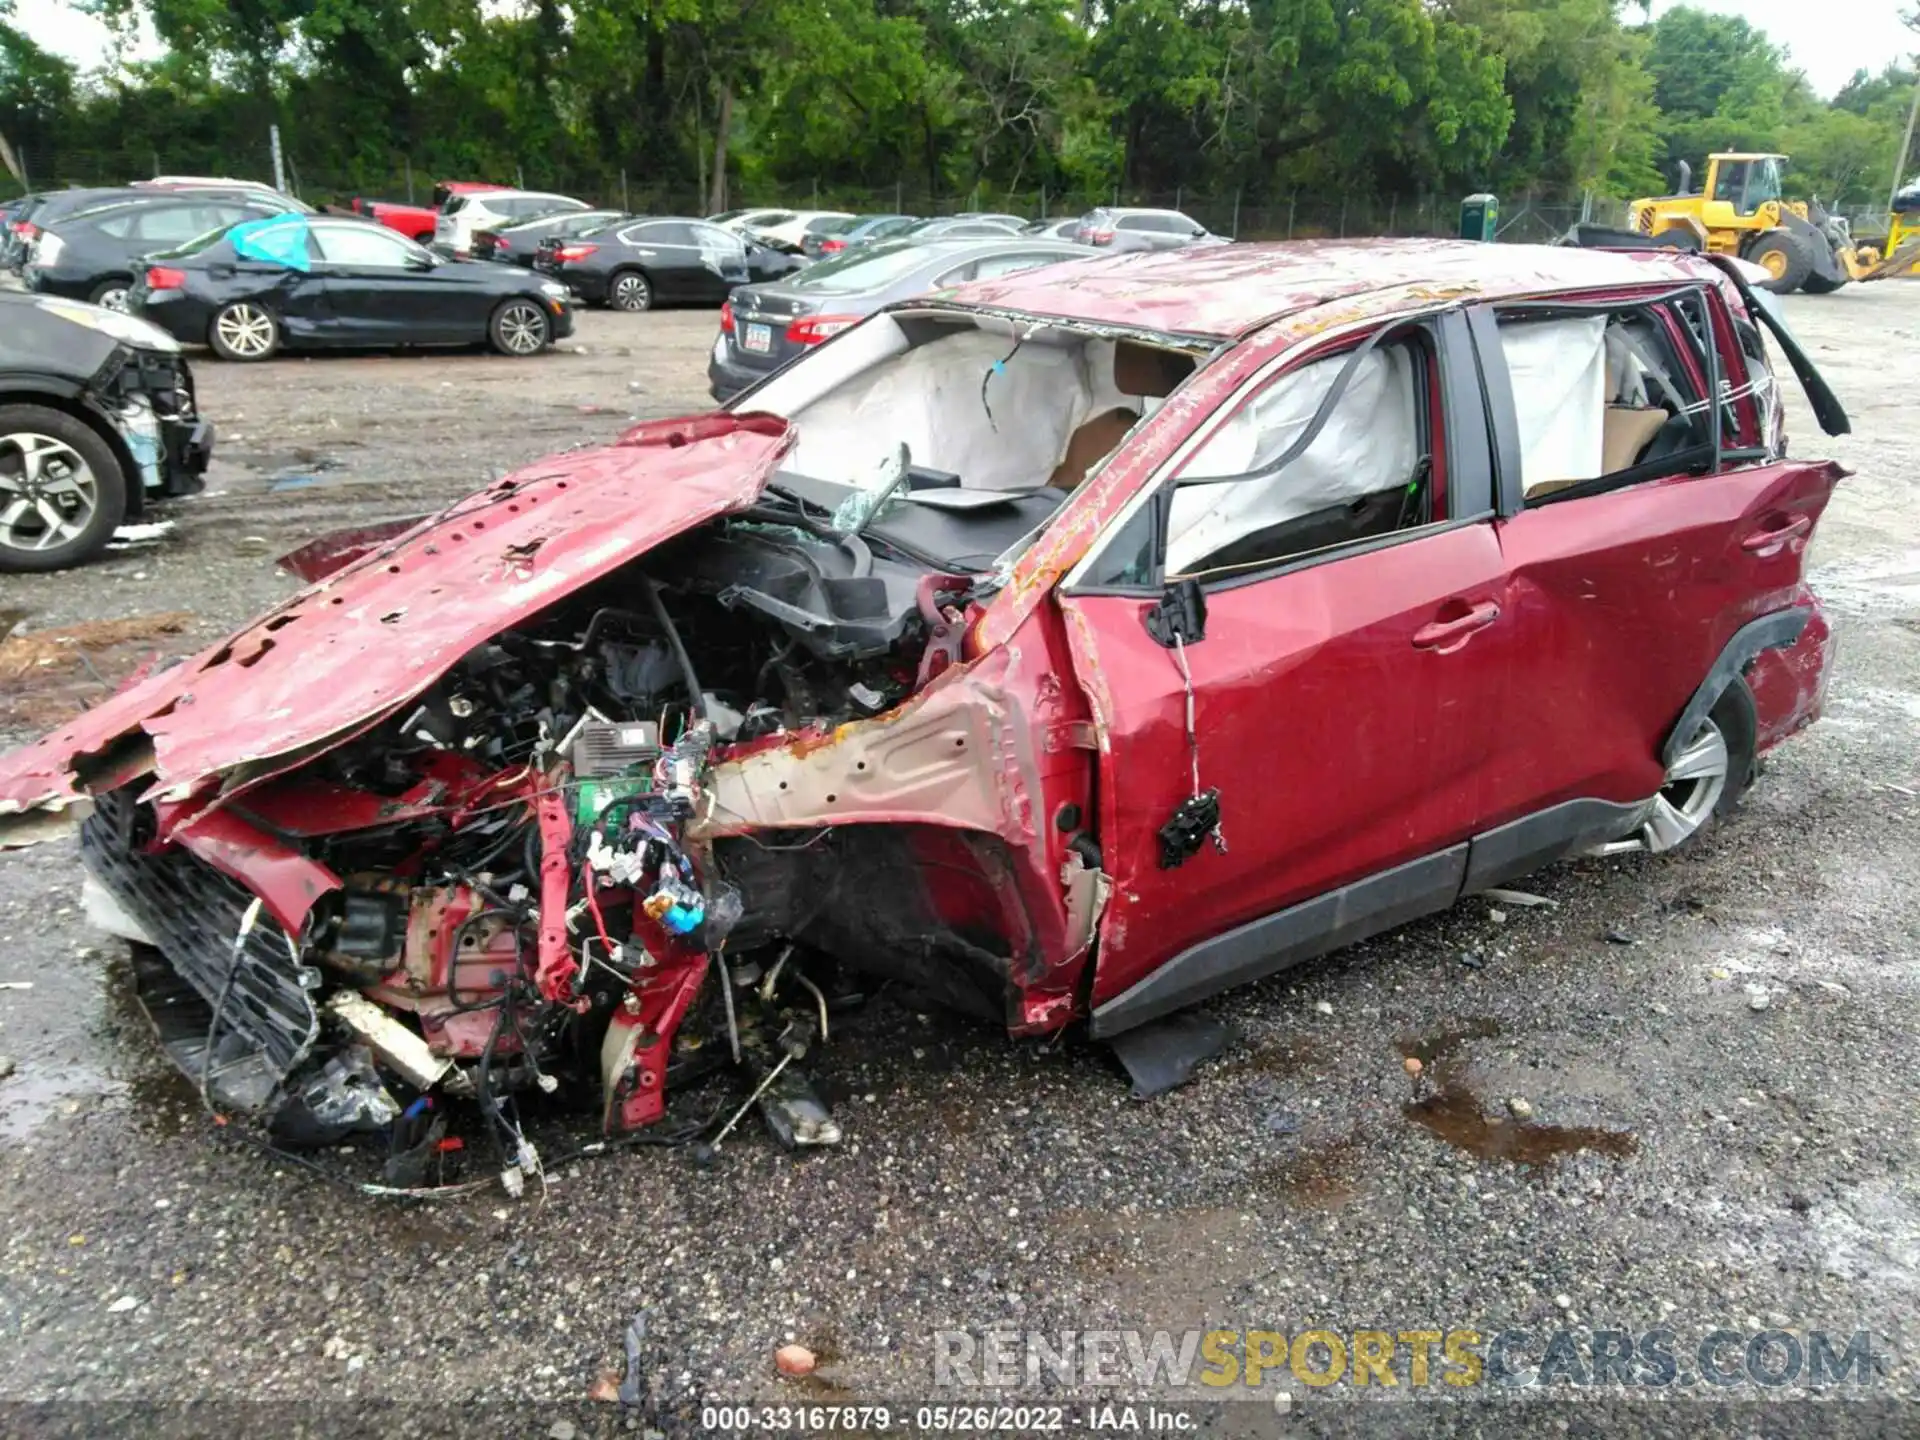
(1479, 217)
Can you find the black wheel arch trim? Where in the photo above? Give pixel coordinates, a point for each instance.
(1775, 631)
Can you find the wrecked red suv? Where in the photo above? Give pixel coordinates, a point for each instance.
(1070, 648)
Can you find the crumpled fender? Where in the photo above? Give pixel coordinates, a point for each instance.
(351, 649)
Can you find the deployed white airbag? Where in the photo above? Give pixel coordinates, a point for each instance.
(1370, 443)
(931, 398)
(1559, 374)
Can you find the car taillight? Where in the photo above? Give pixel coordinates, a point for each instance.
(567, 254)
(25, 229)
(726, 317)
(814, 328)
(159, 277)
(1100, 237)
(832, 247)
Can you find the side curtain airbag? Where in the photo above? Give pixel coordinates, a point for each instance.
(1559, 374)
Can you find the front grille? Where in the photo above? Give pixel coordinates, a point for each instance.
(268, 1023)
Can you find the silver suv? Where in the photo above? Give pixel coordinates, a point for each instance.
(1116, 228)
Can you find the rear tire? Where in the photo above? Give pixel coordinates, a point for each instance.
(1817, 284)
(244, 332)
(630, 290)
(112, 294)
(52, 465)
(520, 328)
(1785, 258)
(1709, 777)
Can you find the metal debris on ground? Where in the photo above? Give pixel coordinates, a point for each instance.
(1525, 899)
(633, 1388)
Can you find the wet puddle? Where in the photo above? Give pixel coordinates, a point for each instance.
(126, 1068)
(1451, 1110)
(1455, 1115)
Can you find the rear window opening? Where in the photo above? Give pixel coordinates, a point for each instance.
(1611, 397)
(998, 421)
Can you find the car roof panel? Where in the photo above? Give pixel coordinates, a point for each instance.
(1223, 291)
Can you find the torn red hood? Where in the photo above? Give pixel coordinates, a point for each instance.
(368, 638)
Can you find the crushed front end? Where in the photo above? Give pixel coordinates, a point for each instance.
(677, 820)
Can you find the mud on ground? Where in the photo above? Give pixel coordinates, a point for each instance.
(1728, 1165)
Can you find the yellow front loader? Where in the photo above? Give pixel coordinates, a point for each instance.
(1741, 211)
(1898, 253)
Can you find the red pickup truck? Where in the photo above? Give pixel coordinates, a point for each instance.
(416, 221)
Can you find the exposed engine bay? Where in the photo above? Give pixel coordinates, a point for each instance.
(524, 880)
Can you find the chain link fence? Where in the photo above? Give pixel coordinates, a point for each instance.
(1298, 216)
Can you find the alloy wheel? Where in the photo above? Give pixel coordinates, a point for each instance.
(630, 292)
(1696, 780)
(48, 493)
(246, 330)
(114, 299)
(523, 329)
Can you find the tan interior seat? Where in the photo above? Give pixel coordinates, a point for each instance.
(1138, 370)
(1624, 433)
(1627, 430)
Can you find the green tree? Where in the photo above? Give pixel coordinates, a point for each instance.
(36, 97)
(1583, 109)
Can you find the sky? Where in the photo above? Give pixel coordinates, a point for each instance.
(1829, 39)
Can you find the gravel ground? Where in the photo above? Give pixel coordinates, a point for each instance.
(1695, 1161)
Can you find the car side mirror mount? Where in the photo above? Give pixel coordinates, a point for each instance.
(1180, 614)
(422, 262)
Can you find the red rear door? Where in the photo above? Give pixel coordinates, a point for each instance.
(1624, 590)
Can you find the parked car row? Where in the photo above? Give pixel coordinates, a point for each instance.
(819, 233)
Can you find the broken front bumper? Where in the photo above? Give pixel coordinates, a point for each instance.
(234, 961)
(189, 449)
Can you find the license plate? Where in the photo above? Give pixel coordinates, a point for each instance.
(758, 338)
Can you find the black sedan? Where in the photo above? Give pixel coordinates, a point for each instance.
(94, 254)
(310, 283)
(520, 242)
(655, 260)
(764, 326)
(98, 425)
